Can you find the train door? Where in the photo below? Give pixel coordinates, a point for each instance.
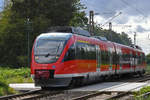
(110, 58)
(118, 68)
(136, 62)
(131, 61)
(120, 59)
(98, 60)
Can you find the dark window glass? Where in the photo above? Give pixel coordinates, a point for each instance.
(81, 51)
(116, 58)
(143, 58)
(48, 51)
(91, 51)
(104, 57)
(70, 55)
(113, 58)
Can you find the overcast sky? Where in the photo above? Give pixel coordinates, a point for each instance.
(135, 17)
(1, 4)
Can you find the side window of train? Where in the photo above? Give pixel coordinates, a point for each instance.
(85, 51)
(114, 58)
(143, 58)
(104, 57)
(92, 52)
(80, 50)
(70, 55)
(139, 58)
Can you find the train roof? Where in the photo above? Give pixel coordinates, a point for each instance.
(55, 35)
(69, 29)
(129, 47)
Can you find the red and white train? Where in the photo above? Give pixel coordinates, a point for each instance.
(70, 56)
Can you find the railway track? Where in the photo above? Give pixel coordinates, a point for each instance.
(74, 95)
(31, 95)
(115, 95)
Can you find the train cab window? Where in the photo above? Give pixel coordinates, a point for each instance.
(48, 50)
(70, 55)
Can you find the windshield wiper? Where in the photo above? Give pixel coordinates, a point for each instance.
(48, 54)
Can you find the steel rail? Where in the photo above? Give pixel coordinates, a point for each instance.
(31, 95)
(127, 93)
(18, 95)
(112, 96)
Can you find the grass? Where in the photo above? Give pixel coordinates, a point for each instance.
(141, 92)
(144, 89)
(148, 69)
(10, 75)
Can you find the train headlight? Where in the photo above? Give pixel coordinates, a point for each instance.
(36, 57)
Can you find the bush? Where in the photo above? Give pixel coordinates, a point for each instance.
(148, 69)
(141, 92)
(10, 75)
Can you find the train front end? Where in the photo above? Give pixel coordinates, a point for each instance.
(47, 59)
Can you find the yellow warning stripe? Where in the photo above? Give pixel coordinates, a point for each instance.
(83, 41)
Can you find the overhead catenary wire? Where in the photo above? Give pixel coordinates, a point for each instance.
(136, 9)
(111, 19)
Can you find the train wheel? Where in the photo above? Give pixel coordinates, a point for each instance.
(81, 82)
(77, 82)
(140, 74)
(44, 88)
(72, 83)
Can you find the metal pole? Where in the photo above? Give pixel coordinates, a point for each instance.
(110, 29)
(135, 39)
(28, 22)
(91, 22)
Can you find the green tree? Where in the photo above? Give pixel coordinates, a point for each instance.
(125, 39)
(148, 58)
(122, 38)
(42, 14)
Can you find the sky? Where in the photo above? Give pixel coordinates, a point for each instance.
(134, 17)
(1, 4)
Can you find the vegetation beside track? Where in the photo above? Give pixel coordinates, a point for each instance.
(142, 91)
(10, 75)
(148, 69)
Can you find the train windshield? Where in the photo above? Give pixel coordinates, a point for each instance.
(48, 51)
